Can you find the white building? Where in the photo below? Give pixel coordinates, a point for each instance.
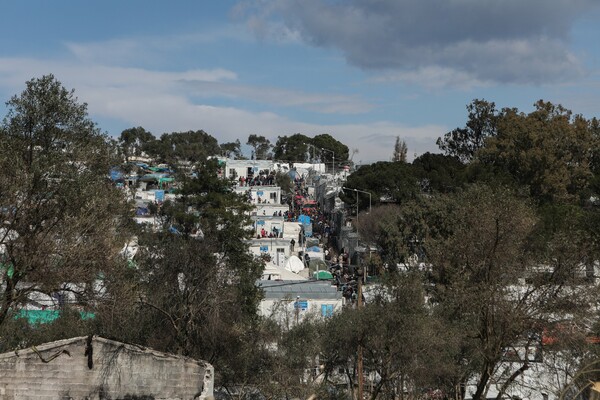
(259, 195)
(278, 249)
(235, 169)
(289, 302)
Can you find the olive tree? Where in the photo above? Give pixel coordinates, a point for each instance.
(59, 213)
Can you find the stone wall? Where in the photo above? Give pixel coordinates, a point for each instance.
(101, 369)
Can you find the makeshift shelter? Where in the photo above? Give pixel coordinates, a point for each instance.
(315, 253)
(273, 272)
(294, 264)
(322, 275)
(317, 264)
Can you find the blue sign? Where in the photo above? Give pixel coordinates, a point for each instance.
(260, 193)
(159, 195)
(260, 222)
(264, 248)
(301, 305)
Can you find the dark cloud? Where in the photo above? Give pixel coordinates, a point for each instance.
(512, 41)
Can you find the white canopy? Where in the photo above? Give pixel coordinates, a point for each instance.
(294, 264)
(274, 272)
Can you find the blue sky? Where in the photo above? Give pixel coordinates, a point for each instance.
(364, 71)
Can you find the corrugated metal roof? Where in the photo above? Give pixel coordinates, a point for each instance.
(306, 290)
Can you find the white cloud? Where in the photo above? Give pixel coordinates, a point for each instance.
(317, 102)
(130, 50)
(159, 102)
(433, 78)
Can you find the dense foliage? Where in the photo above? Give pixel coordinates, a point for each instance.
(61, 218)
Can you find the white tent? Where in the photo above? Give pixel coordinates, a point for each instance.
(294, 264)
(273, 272)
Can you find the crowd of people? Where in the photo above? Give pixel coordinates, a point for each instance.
(263, 178)
(345, 276)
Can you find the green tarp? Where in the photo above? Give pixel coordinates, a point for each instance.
(46, 316)
(324, 275)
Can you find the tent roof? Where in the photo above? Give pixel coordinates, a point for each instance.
(322, 275)
(294, 264)
(277, 272)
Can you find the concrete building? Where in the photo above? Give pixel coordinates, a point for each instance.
(278, 249)
(270, 224)
(289, 302)
(234, 169)
(261, 194)
(95, 368)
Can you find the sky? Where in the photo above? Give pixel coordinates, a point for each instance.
(364, 71)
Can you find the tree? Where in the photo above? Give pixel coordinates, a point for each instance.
(491, 285)
(328, 147)
(400, 150)
(546, 151)
(134, 141)
(61, 217)
(196, 277)
(439, 173)
(232, 149)
(387, 181)
(261, 147)
(293, 148)
(190, 146)
(292, 366)
(481, 125)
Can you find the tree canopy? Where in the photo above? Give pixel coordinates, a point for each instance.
(386, 181)
(481, 125)
(190, 146)
(301, 148)
(292, 148)
(400, 150)
(328, 148)
(261, 147)
(232, 149)
(547, 150)
(135, 141)
(62, 220)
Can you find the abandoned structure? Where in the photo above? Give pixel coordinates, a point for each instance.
(95, 368)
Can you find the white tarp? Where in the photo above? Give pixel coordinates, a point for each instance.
(304, 168)
(273, 272)
(291, 230)
(294, 264)
(315, 255)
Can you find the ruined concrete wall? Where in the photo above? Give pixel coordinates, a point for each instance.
(61, 370)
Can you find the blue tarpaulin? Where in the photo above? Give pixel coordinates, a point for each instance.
(116, 174)
(304, 219)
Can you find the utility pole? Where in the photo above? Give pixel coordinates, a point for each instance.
(332, 159)
(360, 350)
